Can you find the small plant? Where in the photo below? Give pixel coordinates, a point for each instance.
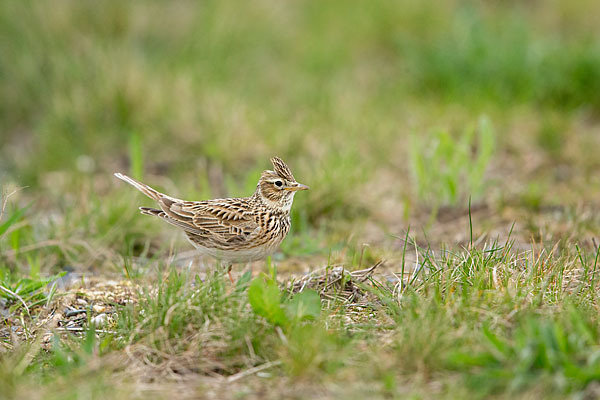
(447, 170)
(268, 301)
(305, 349)
(27, 292)
(564, 351)
(22, 291)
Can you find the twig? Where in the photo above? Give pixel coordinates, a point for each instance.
(252, 371)
(16, 296)
(364, 274)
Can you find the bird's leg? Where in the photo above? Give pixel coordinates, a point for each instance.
(229, 267)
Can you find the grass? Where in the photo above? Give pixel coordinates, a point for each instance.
(450, 170)
(449, 146)
(493, 318)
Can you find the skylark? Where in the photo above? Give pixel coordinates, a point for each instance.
(232, 230)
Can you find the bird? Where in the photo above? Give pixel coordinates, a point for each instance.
(232, 230)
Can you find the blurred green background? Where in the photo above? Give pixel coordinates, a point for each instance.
(393, 112)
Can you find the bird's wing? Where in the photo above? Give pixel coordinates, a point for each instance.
(220, 221)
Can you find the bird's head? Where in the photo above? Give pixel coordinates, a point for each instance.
(277, 188)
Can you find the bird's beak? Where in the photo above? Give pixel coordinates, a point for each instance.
(296, 187)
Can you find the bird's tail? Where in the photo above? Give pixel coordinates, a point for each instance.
(147, 190)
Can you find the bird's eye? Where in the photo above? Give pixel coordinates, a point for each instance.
(278, 183)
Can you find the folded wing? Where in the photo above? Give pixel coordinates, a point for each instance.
(215, 222)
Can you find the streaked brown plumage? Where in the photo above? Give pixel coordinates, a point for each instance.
(235, 229)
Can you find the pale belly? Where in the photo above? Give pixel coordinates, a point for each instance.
(238, 255)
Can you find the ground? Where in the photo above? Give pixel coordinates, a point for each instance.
(448, 247)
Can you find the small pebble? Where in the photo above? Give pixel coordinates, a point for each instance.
(99, 319)
(98, 308)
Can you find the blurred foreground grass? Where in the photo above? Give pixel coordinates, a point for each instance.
(396, 114)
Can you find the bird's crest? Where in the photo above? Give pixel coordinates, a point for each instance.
(282, 169)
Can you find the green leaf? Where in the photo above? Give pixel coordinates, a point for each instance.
(243, 281)
(265, 299)
(89, 341)
(305, 305)
(465, 360)
(502, 348)
(12, 219)
(136, 155)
